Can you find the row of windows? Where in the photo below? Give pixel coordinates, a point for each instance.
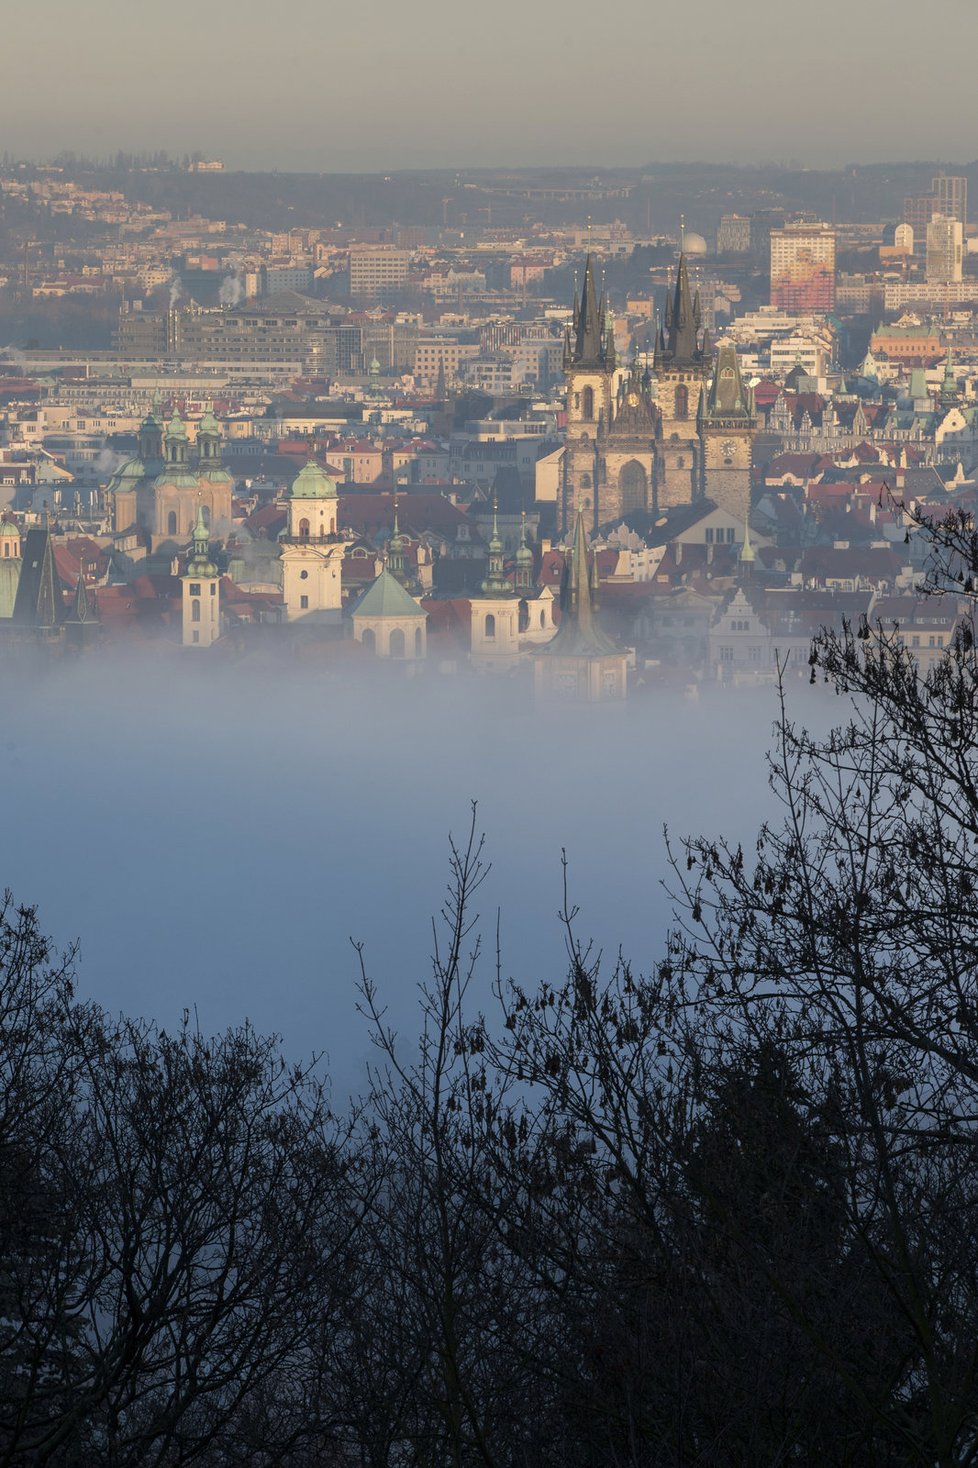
(753, 654)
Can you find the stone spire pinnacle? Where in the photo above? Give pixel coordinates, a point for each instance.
(589, 328)
(679, 341)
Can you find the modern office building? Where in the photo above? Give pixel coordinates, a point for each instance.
(945, 249)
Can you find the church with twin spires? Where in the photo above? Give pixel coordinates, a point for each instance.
(636, 441)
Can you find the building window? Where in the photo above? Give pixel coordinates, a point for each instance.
(587, 403)
(303, 575)
(490, 626)
(171, 523)
(304, 529)
(726, 654)
(682, 401)
(195, 588)
(195, 611)
(213, 588)
(303, 603)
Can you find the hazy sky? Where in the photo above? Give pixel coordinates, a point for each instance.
(415, 83)
(215, 835)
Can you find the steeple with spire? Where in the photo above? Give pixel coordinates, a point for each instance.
(496, 583)
(200, 563)
(679, 340)
(524, 560)
(395, 549)
(591, 342)
(589, 368)
(580, 661)
(201, 590)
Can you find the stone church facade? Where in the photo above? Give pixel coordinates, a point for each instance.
(628, 448)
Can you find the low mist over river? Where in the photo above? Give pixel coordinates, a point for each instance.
(215, 838)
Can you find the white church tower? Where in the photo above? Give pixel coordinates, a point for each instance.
(201, 584)
(312, 549)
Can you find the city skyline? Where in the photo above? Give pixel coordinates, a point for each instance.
(411, 91)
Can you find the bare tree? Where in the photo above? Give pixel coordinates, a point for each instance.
(184, 1218)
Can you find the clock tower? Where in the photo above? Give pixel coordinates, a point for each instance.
(727, 427)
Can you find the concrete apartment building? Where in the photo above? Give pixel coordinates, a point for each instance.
(287, 327)
(733, 235)
(378, 272)
(803, 267)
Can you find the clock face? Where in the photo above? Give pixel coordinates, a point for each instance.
(728, 446)
(632, 399)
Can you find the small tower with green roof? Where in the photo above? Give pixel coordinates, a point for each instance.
(209, 462)
(201, 620)
(495, 614)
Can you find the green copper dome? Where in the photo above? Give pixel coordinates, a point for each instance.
(386, 597)
(209, 425)
(175, 428)
(313, 483)
(7, 527)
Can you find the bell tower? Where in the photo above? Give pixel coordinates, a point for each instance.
(201, 599)
(682, 370)
(312, 549)
(589, 367)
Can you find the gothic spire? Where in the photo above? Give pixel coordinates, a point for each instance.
(683, 319)
(589, 327)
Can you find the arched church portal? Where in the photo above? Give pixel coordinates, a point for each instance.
(633, 487)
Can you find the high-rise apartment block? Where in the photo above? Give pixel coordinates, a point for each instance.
(803, 267)
(945, 249)
(733, 235)
(951, 197)
(376, 273)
